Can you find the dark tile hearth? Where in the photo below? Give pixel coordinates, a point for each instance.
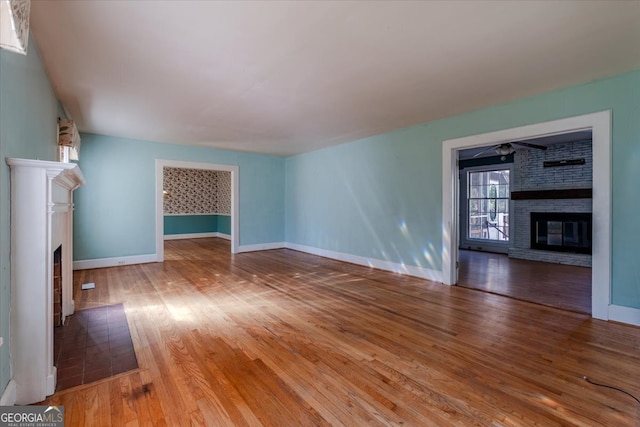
(92, 345)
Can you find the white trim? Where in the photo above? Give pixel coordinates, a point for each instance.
(9, 396)
(623, 314)
(235, 199)
(71, 176)
(87, 264)
(261, 247)
(600, 125)
(196, 236)
(410, 270)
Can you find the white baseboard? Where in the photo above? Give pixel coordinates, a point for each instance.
(410, 270)
(196, 236)
(623, 314)
(113, 262)
(261, 247)
(51, 381)
(8, 398)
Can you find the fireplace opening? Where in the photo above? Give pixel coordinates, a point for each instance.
(562, 232)
(57, 287)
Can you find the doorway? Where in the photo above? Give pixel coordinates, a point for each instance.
(600, 126)
(543, 184)
(233, 169)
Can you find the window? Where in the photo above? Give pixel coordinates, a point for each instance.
(488, 205)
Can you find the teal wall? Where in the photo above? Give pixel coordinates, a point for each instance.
(28, 118)
(114, 212)
(188, 224)
(223, 223)
(380, 197)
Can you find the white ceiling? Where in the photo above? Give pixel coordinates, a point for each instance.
(290, 77)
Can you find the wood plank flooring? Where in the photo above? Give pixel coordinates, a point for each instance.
(556, 285)
(282, 338)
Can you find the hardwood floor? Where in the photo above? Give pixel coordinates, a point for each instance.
(282, 338)
(556, 285)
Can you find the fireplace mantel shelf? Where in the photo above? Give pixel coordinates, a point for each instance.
(572, 193)
(69, 175)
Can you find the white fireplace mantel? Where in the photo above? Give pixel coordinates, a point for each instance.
(41, 221)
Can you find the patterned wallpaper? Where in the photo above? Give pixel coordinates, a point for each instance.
(196, 191)
(223, 201)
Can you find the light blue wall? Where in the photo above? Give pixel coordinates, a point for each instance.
(355, 198)
(358, 198)
(115, 211)
(28, 117)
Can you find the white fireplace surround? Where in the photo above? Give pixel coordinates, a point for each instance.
(41, 220)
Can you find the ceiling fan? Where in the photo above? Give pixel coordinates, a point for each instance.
(507, 148)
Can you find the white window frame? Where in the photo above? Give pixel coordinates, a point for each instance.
(482, 244)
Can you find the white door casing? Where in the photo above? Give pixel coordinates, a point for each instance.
(235, 199)
(600, 125)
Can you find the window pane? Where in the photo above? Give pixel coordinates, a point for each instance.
(488, 201)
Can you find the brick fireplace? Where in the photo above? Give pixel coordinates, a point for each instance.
(560, 190)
